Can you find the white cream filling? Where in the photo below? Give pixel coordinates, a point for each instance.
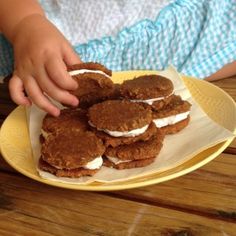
(150, 101)
(94, 164)
(83, 71)
(116, 160)
(131, 133)
(170, 120)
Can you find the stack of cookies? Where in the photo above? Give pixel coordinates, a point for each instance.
(169, 111)
(69, 148)
(118, 126)
(127, 130)
(95, 84)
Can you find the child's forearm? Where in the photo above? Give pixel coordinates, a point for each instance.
(227, 71)
(12, 12)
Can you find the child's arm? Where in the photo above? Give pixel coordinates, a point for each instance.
(227, 71)
(41, 54)
(13, 12)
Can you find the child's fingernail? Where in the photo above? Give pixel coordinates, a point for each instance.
(75, 84)
(75, 102)
(56, 112)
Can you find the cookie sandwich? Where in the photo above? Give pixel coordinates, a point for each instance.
(153, 90)
(170, 112)
(120, 119)
(94, 83)
(137, 154)
(130, 136)
(173, 117)
(69, 119)
(72, 154)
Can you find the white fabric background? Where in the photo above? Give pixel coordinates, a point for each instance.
(83, 20)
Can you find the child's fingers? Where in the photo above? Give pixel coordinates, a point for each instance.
(53, 91)
(56, 70)
(70, 56)
(38, 98)
(17, 91)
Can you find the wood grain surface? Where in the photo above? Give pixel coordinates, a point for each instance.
(209, 191)
(30, 208)
(228, 85)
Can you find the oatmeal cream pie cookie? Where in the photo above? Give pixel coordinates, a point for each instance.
(69, 119)
(173, 117)
(137, 154)
(94, 83)
(120, 118)
(154, 90)
(72, 153)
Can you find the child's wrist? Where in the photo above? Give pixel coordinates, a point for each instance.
(18, 27)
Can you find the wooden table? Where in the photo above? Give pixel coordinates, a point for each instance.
(201, 203)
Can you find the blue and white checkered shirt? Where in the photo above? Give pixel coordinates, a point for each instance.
(198, 37)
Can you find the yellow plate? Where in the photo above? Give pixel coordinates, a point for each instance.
(16, 149)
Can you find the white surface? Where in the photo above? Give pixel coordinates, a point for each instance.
(170, 120)
(82, 71)
(150, 101)
(83, 20)
(116, 160)
(131, 133)
(94, 164)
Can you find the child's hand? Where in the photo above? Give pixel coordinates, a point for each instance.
(41, 54)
